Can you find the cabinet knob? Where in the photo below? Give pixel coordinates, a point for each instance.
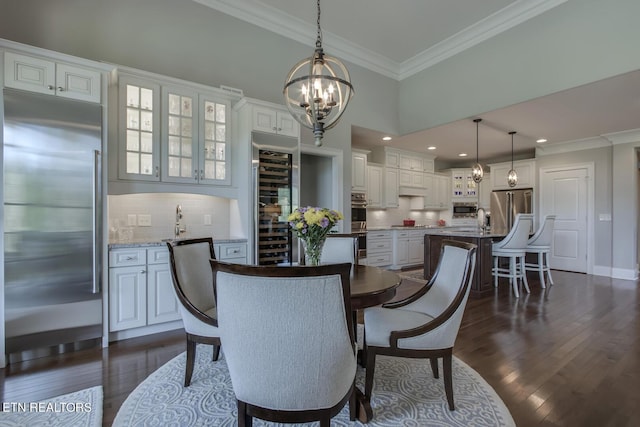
(274, 128)
(143, 271)
(132, 258)
(157, 171)
(51, 87)
(201, 174)
(195, 174)
(60, 89)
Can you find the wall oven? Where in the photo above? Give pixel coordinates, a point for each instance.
(359, 221)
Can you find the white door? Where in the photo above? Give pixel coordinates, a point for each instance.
(564, 194)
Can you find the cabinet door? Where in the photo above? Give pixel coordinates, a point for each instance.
(404, 177)
(29, 73)
(127, 298)
(162, 304)
(215, 141)
(391, 188)
(431, 191)
(416, 250)
(401, 253)
(374, 186)
(444, 192)
(264, 119)
(359, 172)
(139, 142)
(286, 124)
(77, 83)
(179, 146)
(235, 253)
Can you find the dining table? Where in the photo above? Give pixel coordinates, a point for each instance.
(370, 286)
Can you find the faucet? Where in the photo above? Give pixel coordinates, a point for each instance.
(177, 230)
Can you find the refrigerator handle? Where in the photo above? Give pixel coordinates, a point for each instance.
(97, 215)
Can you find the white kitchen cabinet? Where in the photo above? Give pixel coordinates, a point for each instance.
(526, 170)
(409, 178)
(235, 253)
(390, 195)
(52, 78)
(171, 132)
(374, 186)
(275, 121)
(462, 184)
(408, 248)
(140, 288)
(379, 248)
(359, 170)
(485, 188)
(416, 247)
(411, 162)
(436, 194)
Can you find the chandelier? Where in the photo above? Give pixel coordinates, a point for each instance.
(317, 90)
(476, 171)
(512, 176)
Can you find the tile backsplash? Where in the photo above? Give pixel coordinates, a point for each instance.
(394, 216)
(202, 216)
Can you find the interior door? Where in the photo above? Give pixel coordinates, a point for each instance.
(564, 194)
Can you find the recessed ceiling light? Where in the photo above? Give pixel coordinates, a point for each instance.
(462, 155)
(431, 148)
(386, 138)
(541, 140)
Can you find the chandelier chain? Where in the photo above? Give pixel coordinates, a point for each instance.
(319, 36)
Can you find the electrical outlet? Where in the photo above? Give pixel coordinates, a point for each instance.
(131, 220)
(207, 219)
(144, 220)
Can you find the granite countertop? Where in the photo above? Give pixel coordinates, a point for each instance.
(136, 243)
(452, 230)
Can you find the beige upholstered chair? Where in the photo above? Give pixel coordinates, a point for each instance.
(513, 247)
(339, 248)
(426, 324)
(288, 340)
(540, 244)
(193, 285)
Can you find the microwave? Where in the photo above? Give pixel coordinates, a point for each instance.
(464, 210)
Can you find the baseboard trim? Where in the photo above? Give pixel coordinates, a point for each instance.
(601, 270)
(624, 273)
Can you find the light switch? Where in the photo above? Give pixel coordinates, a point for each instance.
(605, 217)
(131, 220)
(207, 219)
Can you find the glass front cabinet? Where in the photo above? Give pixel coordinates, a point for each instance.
(171, 133)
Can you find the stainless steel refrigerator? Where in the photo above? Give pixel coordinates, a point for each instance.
(506, 204)
(52, 219)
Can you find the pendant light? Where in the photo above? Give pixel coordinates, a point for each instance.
(512, 176)
(476, 171)
(317, 90)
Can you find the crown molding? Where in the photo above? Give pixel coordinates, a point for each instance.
(570, 146)
(274, 20)
(502, 20)
(624, 137)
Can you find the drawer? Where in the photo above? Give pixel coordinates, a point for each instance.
(402, 234)
(225, 251)
(157, 255)
(378, 234)
(127, 257)
(379, 260)
(381, 245)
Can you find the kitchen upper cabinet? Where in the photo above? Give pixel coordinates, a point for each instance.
(359, 170)
(401, 159)
(52, 78)
(275, 121)
(463, 185)
(408, 178)
(375, 186)
(390, 194)
(411, 163)
(195, 137)
(526, 170)
(485, 188)
(172, 133)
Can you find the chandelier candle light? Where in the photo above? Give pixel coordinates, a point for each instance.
(476, 171)
(312, 225)
(512, 176)
(317, 90)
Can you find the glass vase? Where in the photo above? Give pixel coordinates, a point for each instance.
(312, 251)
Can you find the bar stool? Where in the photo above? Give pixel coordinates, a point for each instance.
(513, 246)
(540, 243)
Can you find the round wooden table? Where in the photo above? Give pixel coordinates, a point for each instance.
(370, 286)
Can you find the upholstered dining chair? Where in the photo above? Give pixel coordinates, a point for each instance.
(513, 247)
(540, 244)
(339, 248)
(426, 324)
(193, 285)
(288, 340)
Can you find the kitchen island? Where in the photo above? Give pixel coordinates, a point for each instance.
(482, 284)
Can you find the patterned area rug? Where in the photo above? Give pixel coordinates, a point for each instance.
(79, 409)
(413, 275)
(404, 394)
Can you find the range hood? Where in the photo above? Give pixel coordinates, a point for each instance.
(404, 191)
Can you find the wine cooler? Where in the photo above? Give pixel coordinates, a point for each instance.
(275, 173)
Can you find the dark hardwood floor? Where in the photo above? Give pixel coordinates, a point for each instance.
(567, 356)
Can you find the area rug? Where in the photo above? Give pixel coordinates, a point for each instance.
(404, 394)
(414, 275)
(78, 409)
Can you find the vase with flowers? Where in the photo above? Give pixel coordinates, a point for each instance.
(311, 225)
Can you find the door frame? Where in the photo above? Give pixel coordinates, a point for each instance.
(590, 167)
(337, 189)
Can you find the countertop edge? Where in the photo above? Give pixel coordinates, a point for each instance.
(150, 244)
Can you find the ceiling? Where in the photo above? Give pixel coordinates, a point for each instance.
(398, 39)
